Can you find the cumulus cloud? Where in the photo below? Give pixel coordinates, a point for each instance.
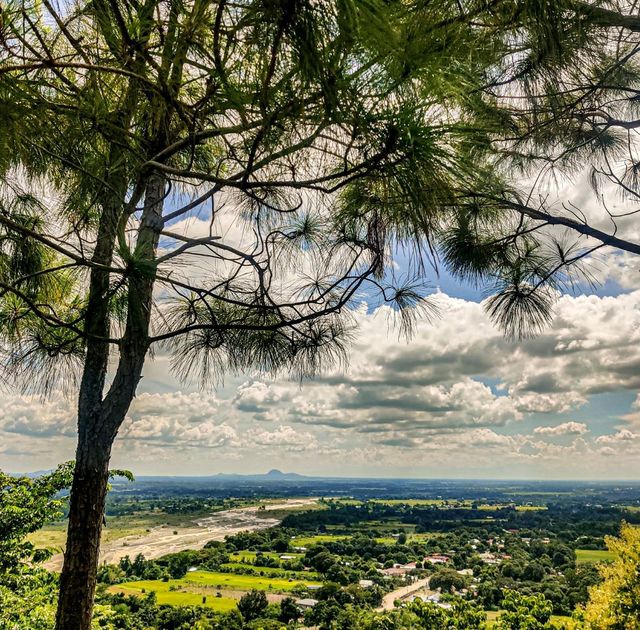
(255, 396)
(284, 436)
(32, 416)
(565, 428)
(450, 393)
(621, 436)
(458, 393)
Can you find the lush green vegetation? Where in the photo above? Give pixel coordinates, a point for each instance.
(490, 564)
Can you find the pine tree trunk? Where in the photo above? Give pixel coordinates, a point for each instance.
(87, 509)
(86, 513)
(100, 417)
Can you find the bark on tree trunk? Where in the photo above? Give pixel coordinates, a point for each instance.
(86, 512)
(100, 417)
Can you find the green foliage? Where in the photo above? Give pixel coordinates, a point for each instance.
(339, 130)
(615, 603)
(26, 504)
(252, 605)
(417, 614)
(27, 592)
(288, 610)
(525, 612)
(448, 580)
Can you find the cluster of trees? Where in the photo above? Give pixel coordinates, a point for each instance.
(274, 539)
(172, 566)
(579, 518)
(540, 560)
(521, 613)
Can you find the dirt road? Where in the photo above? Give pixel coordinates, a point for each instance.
(402, 593)
(162, 540)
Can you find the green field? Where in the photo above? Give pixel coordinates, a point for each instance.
(460, 504)
(559, 621)
(518, 508)
(308, 541)
(300, 576)
(383, 528)
(526, 493)
(417, 502)
(250, 556)
(387, 540)
(630, 508)
(54, 534)
(175, 598)
(530, 508)
(584, 556)
(201, 581)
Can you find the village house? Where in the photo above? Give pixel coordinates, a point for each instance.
(433, 598)
(394, 571)
(436, 559)
(493, 558)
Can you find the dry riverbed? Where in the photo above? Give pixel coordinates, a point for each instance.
(165, 539)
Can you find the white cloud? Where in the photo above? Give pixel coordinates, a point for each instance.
(30, 415)
(565, 428)
(284, 436)
(450, 402)
(621, 436)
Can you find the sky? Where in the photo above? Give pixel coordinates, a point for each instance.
(458, 400)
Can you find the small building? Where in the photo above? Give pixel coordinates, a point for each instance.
(365, 583)
(306, 604)
(493, 558)
(286, 557)
(393, 572)
(436, 559)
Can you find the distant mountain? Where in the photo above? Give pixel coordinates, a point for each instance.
(272, 475)
(31, 475)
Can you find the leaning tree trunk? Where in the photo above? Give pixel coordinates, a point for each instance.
(100, 417)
